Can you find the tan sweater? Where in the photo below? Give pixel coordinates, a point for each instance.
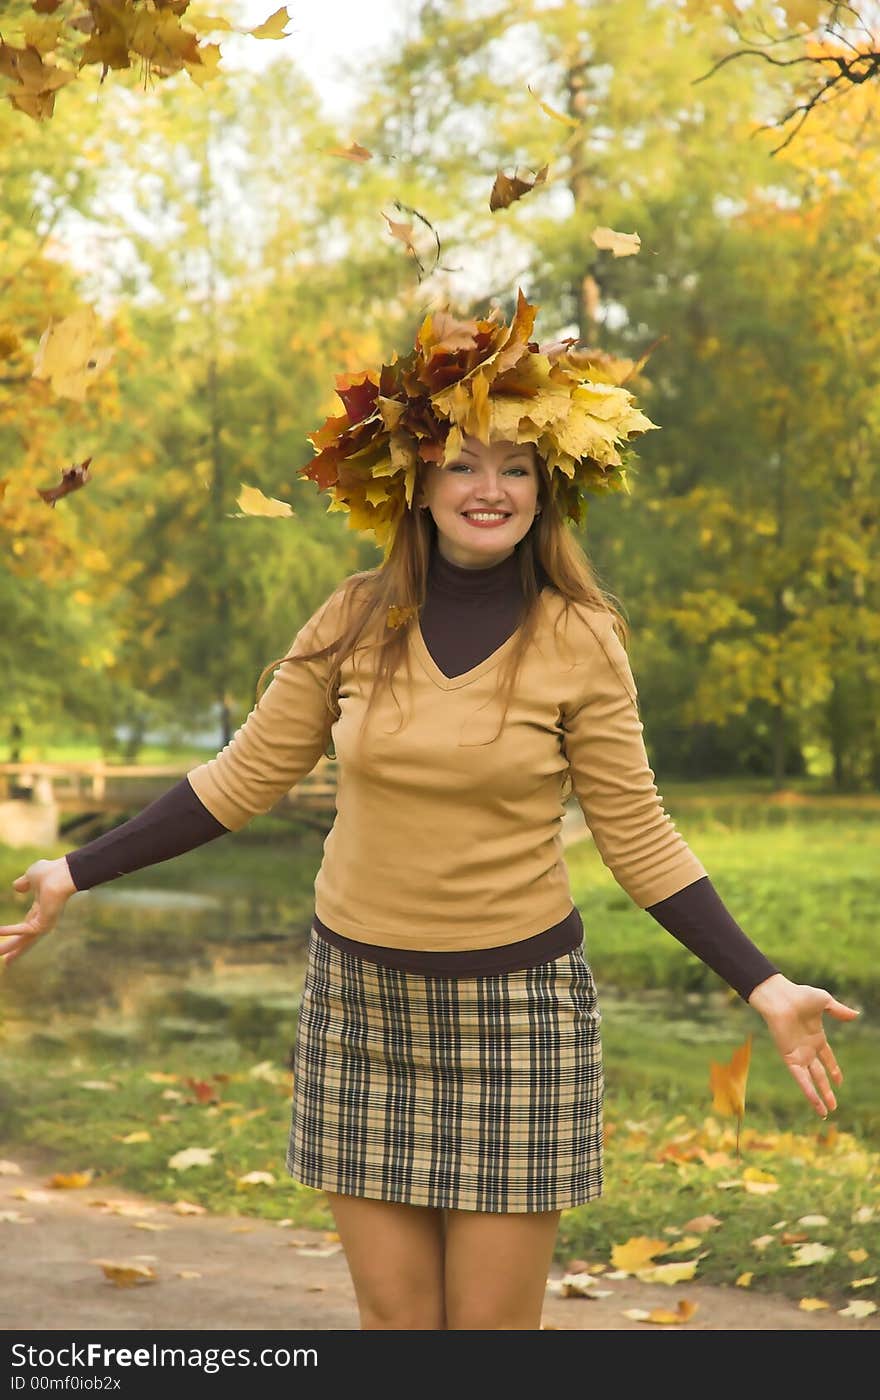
(443, 839)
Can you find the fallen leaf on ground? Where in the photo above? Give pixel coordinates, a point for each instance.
(762, 1241)
(321, 1253)
(139, 1135)
(70, 1181)
(188, 1208)
(97, 1084)
(15, 1217)
(668, 1273)
(192, 1157)
(684, 1313)
(32, 1193)
(256, 1179)
(188, 1273)
(9, 1169)
(683, 1245)
(863, 1282)
(702, 1222)
(813, 1304)
(858, 1256)
(863, 1215)
(744, 1280)
(793, 1237)
(814, 1253)
(636, 1252)
(810, 1220)
(159, 1077)
(580, 1285)
(150, 1225)
(857, 1308)
(126, 1275)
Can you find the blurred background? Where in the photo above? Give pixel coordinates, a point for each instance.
(233, 237)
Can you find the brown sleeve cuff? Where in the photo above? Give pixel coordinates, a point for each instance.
(698, 918)
(176, 822)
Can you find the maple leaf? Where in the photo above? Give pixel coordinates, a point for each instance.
(71, 1180)
(252, 501)
(72, 480)
(636, 1253)
(507, 190)
(813, 1304)
(702, 1222)
(668, 1273)
(728, 1085)
(857, 1308)
(192, 1157)
(622, 245)
(256, 1179)
(124, 1274)
(683, 1313)
(805, 1254)
(68, 357)
(352, 152)
(745, 1280)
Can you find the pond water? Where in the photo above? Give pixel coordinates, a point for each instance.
(147, 971)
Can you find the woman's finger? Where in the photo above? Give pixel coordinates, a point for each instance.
(840, 1010)
(826, 1055)
(806, 1084)
(820, 1079)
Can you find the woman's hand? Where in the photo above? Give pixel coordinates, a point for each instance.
(793, 1014)
(52, 886)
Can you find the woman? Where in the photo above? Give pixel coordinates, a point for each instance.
(448, 1079)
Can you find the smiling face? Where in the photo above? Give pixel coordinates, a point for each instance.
(498, 481)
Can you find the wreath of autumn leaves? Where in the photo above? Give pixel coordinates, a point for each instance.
(488, 380)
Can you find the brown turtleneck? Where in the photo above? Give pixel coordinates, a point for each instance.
(468, 614)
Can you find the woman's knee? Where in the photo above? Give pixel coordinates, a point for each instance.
(496, 1267)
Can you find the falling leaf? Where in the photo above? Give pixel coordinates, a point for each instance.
(71, 480)
(668, 1273)
(622, 245)
(637, 1252)
(352, 152)
(684, 1313)
(702, 1222)
(70, 1181)
(256, 1179)
(552, 112)
(805, 1254)
(863, 1282)
(126, 1275)
(813, 1304)
(728, 1082)
(811, 1220)
(140, 1135)
(857, 1308)
(188, 1208)
(10, 1169)
(507, 190)
(68, 356)
(252, 501)
(192, 1157)
(744, 1280)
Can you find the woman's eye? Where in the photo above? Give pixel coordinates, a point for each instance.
(463, 466)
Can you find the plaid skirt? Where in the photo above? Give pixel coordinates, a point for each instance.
(482, 1092)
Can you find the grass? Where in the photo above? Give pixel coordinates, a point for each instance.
(121, 993)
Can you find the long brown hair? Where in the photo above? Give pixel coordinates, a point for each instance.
(549, 555)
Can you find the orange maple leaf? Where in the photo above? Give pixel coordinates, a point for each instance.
(728, 1084)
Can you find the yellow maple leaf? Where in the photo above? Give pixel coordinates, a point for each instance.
(636, 1253)
(69, 1181)
(728, 1085)
(668, 1273)
(126, 1275)
(744, 1280)
(812, 1304)
(858, 1256)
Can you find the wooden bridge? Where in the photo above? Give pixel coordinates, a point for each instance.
(42, 801)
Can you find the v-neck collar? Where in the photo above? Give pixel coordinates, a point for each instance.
(432, 670)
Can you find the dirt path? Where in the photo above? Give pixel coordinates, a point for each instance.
(254, 1275)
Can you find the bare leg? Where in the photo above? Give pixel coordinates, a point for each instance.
(496, 1268)
(395, 1256)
